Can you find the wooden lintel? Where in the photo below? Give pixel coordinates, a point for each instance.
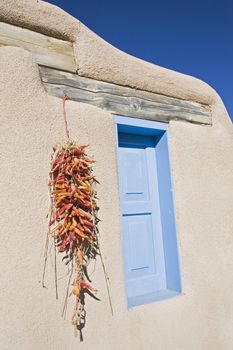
(122, 100)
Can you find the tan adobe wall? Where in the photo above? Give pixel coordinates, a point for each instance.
(202, 170)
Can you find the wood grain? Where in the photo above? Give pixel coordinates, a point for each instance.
(122, 100)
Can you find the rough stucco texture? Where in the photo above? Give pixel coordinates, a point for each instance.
(41, 17)
(202, 168)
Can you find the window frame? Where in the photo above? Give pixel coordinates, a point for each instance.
(159, 130)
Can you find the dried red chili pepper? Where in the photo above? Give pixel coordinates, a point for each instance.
(73, 223)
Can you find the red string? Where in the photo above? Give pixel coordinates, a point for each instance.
(64, 99)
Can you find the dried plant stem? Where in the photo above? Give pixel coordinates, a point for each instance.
(55, 269)
(45, 260)
(106, 279)
(103, 266)
(67, 291)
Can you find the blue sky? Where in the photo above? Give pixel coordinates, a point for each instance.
(192, 37)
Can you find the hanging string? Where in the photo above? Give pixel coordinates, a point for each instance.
(64, 99)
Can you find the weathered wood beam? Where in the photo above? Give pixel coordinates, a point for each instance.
(47, 51)
(52, 53)
(122, 100)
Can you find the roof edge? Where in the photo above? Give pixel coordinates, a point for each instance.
(105, 62)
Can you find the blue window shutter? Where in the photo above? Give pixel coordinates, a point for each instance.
(148, 235)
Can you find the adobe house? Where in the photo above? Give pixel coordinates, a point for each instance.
(163, 145)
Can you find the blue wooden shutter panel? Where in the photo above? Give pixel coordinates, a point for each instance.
(148, 227)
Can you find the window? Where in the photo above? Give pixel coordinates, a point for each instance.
(151, 263)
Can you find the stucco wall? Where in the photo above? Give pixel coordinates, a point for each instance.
(202, 169)
(31, 122)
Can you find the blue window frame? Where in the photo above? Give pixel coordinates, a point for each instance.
(151, 263)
